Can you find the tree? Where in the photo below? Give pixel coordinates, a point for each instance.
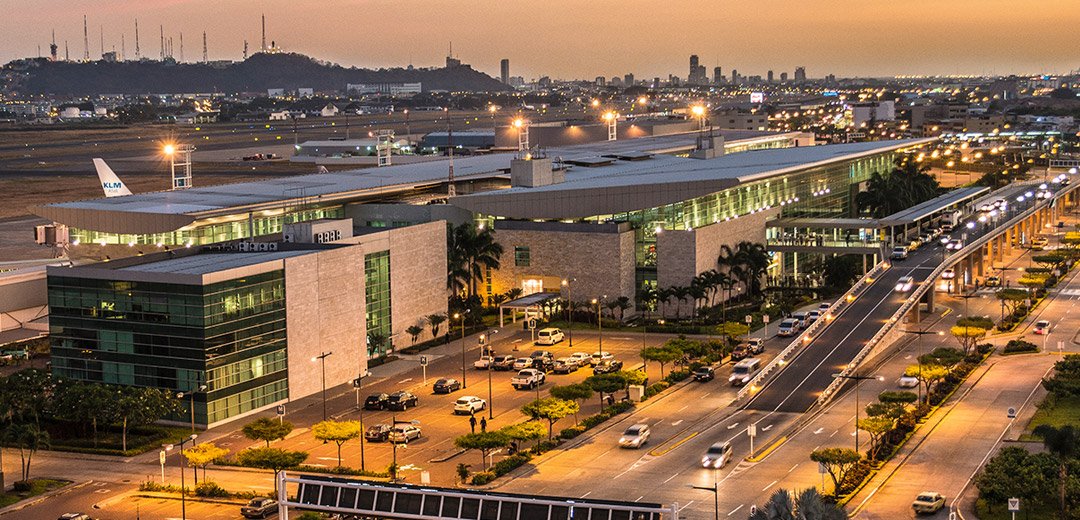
(840, 272)
(435, 321)
(25, 394)
(201, 455)
(1066, 379)
(29, 438)
(605, 384)
(662, 354)
(267, 429)
(968, 336)
(550, 409)
(337, 432)
(623, 304)
(1014, 472)
(85, 403)
(907, 185)
(807, 505)
(414, 332)
(877, 426)
(526, 431)
(275, 459)
(137, 406)
(944, 356)
(731, 330)
(1012, 297)
(928, 375)
(483, 441)
(576, 392)
(470, 253)
(1064, 442)
(837, 462)
(901, 397)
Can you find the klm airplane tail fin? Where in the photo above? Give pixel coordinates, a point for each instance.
(110, 183)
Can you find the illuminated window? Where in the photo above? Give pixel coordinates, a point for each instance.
(521, 256)
(531, 285)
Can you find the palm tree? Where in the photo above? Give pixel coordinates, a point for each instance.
(754, 259)
(622, 303)
(647, 300)
(680, 293)
(664, 296)
(1064, 442)
(470, 253)
(808, 505)
(907, 185)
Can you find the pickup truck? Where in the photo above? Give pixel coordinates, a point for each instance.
(527, 379)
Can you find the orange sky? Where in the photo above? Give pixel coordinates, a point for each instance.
(583, 39)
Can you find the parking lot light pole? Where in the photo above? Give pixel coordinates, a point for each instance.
(191, 404)
(600, 323)
(569, 310)
(183, 492)
(321, 358)
(357, 383)
(461, 316)
(490, 369)
(857, 379)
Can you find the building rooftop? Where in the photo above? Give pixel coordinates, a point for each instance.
(206, 263)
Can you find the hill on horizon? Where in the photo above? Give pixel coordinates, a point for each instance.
(258, 73)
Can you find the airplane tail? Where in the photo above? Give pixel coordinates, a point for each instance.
(110, 183)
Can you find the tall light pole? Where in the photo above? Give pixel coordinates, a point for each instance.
(461, 316)
(183, 492)
(494, 133)
(857, 379)
(600, 324)
(918, 337)
(393, 466)
(321, 358)
(483, 337)
(569, 310)
(191, 405)
(715, 488)
(357, 383)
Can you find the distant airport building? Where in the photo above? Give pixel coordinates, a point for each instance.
(393, 89)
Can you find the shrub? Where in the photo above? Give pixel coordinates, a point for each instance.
(482, 478)
(509, 464)
(1019, 345)
(22, 486)
(984, 349)
(571, 432)
(543, 446)
(209, 489)
(656, 388)
(854, 477)
(619, 407)
(677, 375)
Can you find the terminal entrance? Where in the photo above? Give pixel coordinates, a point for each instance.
(370, 499)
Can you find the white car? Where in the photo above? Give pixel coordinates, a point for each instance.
(948, 274)
(635, 436)
(581, 358)
(1042, 327)
(549, 336)
(717, 456)
(823, 307)
(522, 363)
(812, 316)
(904, 284)
(483, 363)
(597, 357)
(907, 382)
(788, 327)
(469, 404)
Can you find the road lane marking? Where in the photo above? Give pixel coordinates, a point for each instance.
(683, 408)
(671, 477)
(733, 511)
(819, 430)
(639, 498)
(403, 381)
(586, 494)
(792, 468)
(767, 428)
(834, 433)
(686, 506)
(706, 395)
(732, 426)
(769, 486)
(676, 423)
(658, 452)
(624, 339)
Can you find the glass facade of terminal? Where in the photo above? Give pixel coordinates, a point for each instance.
(211, 231)
(378, 302)
(229, 336)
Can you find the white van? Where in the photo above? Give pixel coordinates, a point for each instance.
(788, 327)
(744, 371)
(549, 336)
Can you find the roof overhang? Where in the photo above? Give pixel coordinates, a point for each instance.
(120, 222)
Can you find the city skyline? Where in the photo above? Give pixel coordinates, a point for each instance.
(831, 37)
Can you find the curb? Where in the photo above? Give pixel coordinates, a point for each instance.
(30, 501)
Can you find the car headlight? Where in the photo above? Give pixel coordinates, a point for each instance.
(746, 379)
(622, 439)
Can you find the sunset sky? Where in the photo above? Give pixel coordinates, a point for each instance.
(582, 39)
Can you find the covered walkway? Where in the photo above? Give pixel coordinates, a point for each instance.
(529, 305)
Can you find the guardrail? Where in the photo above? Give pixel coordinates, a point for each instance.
(918, 293)
(835, 310)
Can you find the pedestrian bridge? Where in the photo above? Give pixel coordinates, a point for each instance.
(374, 499)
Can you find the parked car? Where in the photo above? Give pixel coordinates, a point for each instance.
(757, 345)
(469, 404)
(717, 456)
(377, 432)
(907, 382)
(899, 253)
(537, 354)
(401, 401)
(503, 363)
(549, 336)
(1042, 327)
(704, 374)
(802, 316)
(376, 402)
(404, 433)
(597, 357)
(812, 316)
(483, 363)
(581, 358)
(446, 386)
(788, 327)
(565, 365)
(522, 363)
(928, 502)
(84, 516)
(904, 284)
(543, 364)
(607, 366)
(528, 378)
(752, 347)
(256, 508)
(635, 436)
(744, 371)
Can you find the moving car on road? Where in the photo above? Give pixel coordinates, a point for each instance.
(401, 401)
(1042, 327)
(788, 327)
(992, 281)
(635, 436)
(84, 516)
(928, 502)
(948, 274)
(704, 374)
(717, 456)
(404, 433)
(904, 284)
(907, 382)
(446, 386)
(899, 253)
(469, 404)
(256, 508)
(744, 371)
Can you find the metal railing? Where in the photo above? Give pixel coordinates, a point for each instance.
(838, 307)
(921, 290)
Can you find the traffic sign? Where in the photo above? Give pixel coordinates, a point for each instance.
(749, 319)
(1014, 504)
(161, 456)
(532, 323)
(281, 409)
(821, 468)
(423, 361)
(1012, 413)
(765, 319)
(751, 430)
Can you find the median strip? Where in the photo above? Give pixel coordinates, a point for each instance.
(761, 456)
(658, 451)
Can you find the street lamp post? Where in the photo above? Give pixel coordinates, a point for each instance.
(715, 488)
(183, 491)
(600, 324)
(393, 465)
(494, 133)
(490, 334)
(569, 310)
(857, 379)
(357, 383)
(918, 336)
(461, 316)
(321, 358)
(191, 405)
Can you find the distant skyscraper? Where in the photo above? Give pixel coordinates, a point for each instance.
(783, 77)
(693, 64)
(770, 76)
(718, 75)
(601, 81)
(504, 71)
(734, 77)
(628, 79)
(800, 74)
(697, 72)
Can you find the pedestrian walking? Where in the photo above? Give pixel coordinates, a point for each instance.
(483, 424)
(472, 423)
